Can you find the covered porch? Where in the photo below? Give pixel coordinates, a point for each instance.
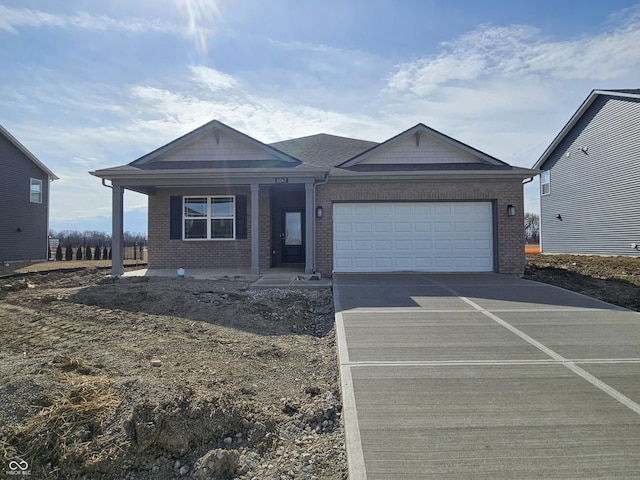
(279, 216)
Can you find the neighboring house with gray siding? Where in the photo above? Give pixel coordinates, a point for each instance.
(420, 201)
(24, 202)
(590, 179)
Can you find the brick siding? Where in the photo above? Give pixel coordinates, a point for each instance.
(166, 253)
(510, 230)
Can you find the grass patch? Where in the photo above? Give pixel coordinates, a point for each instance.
(58, 438)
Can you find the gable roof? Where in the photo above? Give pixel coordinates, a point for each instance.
(622, 93)
(419, 130)
(27, 153)
(212, 127)
(316, 156)
(324, 150)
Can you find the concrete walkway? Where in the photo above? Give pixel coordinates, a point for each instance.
(485, 376)
(272, 278)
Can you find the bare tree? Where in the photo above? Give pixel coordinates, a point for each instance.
(531, 227)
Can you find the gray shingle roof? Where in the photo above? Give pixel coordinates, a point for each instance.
(323, 150)
(182, 164)
(423, 167)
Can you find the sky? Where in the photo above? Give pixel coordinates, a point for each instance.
(86, 85)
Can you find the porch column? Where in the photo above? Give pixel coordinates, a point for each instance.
(117, 201)
(255, 229)
(309, 216)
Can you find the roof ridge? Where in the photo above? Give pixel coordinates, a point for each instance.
(323, 134)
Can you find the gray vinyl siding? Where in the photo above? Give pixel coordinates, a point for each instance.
(16, 209)
(596, 193)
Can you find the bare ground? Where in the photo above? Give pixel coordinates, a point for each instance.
(612, 279)
(163, 378)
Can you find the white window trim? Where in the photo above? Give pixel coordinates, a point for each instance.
(31, 182)
(543, 183)
(209, 218)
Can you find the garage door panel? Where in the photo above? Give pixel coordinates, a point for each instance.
(413, 236)
(363, 227)
(423, 245)
(383, 244)
(442, 245)
(342, 227)
(364, 245)
(462, 245)
(362, 210)
(442, 227)
(343, 245)
(423, 263)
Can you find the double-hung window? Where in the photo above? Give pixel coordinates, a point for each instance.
(545, 182)
(209, 218)
(35, 190)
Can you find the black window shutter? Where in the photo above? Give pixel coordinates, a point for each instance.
(241, 216)
(175, 218)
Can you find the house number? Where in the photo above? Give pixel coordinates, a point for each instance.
(282, 180)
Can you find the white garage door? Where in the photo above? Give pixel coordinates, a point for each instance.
(432, 237)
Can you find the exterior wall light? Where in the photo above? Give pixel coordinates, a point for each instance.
(511, 210)
(319, 212)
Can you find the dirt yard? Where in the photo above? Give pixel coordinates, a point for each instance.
(167, 378)
(163, 378)
(612, 279)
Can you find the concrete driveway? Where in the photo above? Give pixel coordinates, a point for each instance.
(485, 376)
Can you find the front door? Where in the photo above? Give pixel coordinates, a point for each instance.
(292, 236)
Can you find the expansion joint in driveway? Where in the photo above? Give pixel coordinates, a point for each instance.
(571, 365)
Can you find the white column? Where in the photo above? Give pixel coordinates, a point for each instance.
(255, 229)
(309, 230)
(117, 198)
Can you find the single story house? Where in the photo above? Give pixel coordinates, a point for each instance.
(24, 202)
(590, 179)
(420, 201)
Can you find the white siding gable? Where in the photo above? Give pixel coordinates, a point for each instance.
(427, 150)
(216, 145)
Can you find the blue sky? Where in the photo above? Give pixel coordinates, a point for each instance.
(86, 84)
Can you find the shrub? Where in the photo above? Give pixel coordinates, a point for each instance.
(87, 253)
(59, 252)
(68, 253)
(105, 254)
(79, 254)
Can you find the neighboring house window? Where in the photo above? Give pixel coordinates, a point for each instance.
(545, 183)
(209, 218)
(35, 191)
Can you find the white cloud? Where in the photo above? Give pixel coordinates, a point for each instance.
(13, 18)
(518, 52)
(213, 79)
(505, 90)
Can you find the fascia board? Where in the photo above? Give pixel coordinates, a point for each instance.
(452, 175)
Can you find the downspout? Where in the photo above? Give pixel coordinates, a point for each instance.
(313, 243)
